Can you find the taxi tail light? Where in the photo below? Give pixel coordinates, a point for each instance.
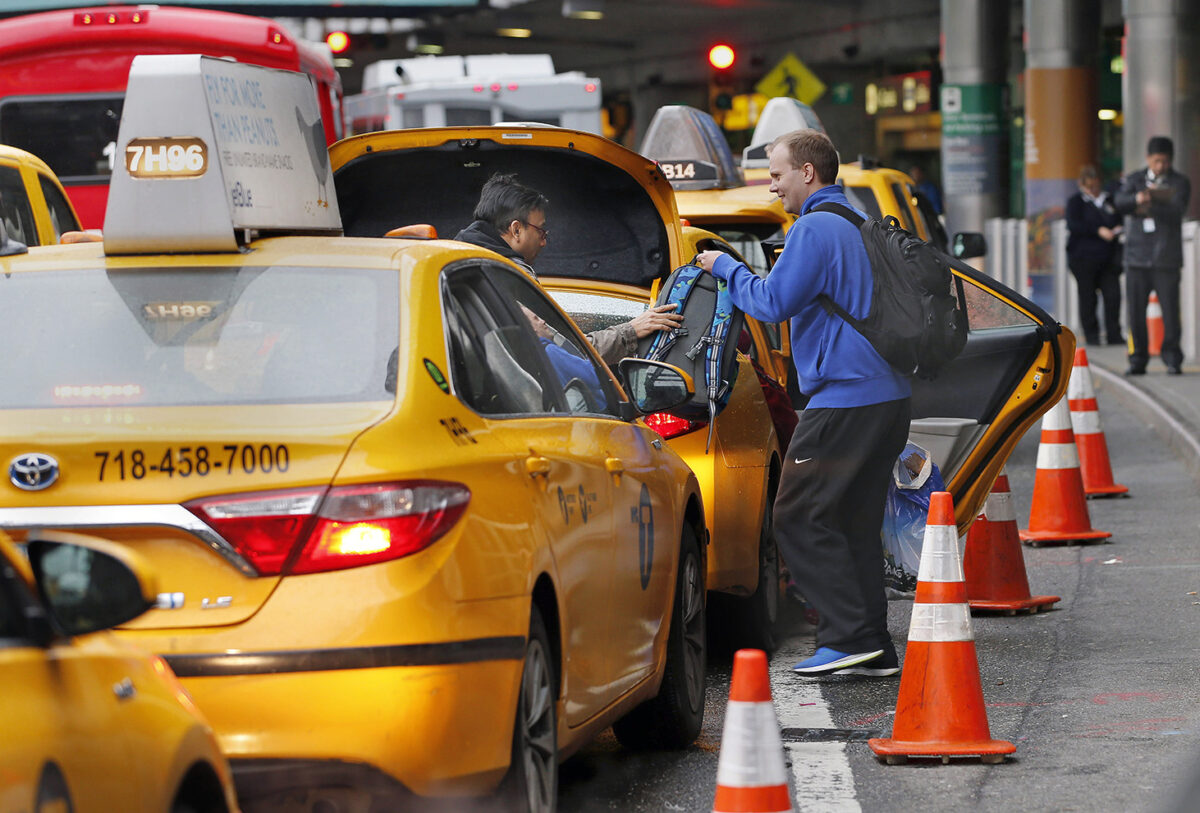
(346, 526)
(672, 426)
(263, 527)
(365, 524)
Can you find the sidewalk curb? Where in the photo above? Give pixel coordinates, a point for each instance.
(1165, 421)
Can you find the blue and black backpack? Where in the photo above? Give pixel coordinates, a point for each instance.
(704, 346)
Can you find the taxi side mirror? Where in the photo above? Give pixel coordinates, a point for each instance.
(87, 587)
(655, 386)
(968, 244)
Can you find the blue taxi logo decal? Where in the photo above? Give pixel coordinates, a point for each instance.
(33, 472)
(166, 158)
(643, 515)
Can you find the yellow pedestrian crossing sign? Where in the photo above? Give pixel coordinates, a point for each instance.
(791, 77)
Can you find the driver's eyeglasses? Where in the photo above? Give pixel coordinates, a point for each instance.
(545, 233)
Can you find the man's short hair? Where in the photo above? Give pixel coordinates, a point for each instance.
(1160, 145)
(811, 147)
(503, 200)
(1088, 172)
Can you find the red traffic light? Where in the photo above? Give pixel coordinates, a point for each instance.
(338, 41)
(721, 56)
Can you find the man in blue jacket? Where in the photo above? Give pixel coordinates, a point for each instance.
(829, 509)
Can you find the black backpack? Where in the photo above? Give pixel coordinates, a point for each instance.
(918, 315)
(705, 345)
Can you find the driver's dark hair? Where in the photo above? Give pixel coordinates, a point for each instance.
(503, 200)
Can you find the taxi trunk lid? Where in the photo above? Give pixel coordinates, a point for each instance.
(143, 478)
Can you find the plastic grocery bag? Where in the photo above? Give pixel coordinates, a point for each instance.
(914, 478)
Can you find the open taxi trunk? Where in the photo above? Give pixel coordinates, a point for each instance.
(612, 214)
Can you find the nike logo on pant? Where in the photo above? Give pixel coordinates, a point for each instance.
(803, 460)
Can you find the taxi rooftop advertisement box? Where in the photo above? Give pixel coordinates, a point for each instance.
(213, 148)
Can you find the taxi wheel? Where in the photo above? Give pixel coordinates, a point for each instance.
(532, 782)
(53, 795)
(755, 616)
(674, 717)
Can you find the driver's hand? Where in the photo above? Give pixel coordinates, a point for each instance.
(658, 317)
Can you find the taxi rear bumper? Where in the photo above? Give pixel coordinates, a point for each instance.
(433, 729)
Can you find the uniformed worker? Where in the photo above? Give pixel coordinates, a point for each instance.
(510, 219)
(829, 509)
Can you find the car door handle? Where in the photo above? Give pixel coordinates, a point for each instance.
(614, 466)
(537, 466)
(124, 689)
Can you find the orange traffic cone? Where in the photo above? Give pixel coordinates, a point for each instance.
(993, 562)
(940, 710)
(1154, 325)
(751, 775)
(1094, 464)
(1058, 512)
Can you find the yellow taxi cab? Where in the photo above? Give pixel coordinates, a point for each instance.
(92, 723)
(34, 209)
(404, 546)
(616, 236)
(1017, 357)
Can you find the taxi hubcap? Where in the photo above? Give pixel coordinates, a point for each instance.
(693, 631)
(540, 759)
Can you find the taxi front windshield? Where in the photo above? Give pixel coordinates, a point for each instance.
(197, 336)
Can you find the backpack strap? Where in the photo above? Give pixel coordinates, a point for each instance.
(717, 337)
(681, 288)
(855, 220)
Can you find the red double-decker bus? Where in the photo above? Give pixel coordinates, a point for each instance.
(63, 76)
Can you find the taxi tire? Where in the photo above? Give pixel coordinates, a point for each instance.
(674, 717)
(53, 793)
(753, 618)
(531, 785)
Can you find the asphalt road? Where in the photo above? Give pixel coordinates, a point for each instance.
(1099, 694)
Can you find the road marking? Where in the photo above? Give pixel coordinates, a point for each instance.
(821, 775)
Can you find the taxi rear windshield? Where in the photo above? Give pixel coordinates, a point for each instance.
(198, 336)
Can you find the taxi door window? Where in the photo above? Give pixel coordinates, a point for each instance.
(507, 358)
(13, 630)
(903, 203)
(14, 208)
(863, 198)
(61, 217)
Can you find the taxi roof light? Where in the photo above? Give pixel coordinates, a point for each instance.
(244, 145)
(691, 149)
(780, 115)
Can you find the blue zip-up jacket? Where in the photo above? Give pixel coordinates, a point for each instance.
(823, 254)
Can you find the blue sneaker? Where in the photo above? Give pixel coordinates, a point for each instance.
(826, 661)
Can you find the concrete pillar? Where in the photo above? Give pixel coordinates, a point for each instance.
(1161, 84)
(1061, 40)
(973, 105)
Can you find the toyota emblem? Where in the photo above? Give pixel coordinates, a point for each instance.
(33, 472)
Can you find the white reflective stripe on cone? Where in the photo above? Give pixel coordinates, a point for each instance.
(940, 561)
(1080, 385)
(939, 623)
(751, 748)
(1059, 416)
(1086, 423)
(999, 508)
(1057, 456)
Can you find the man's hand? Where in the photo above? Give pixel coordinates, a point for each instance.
(1106, 233)
(705, 259)
(657, 318)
